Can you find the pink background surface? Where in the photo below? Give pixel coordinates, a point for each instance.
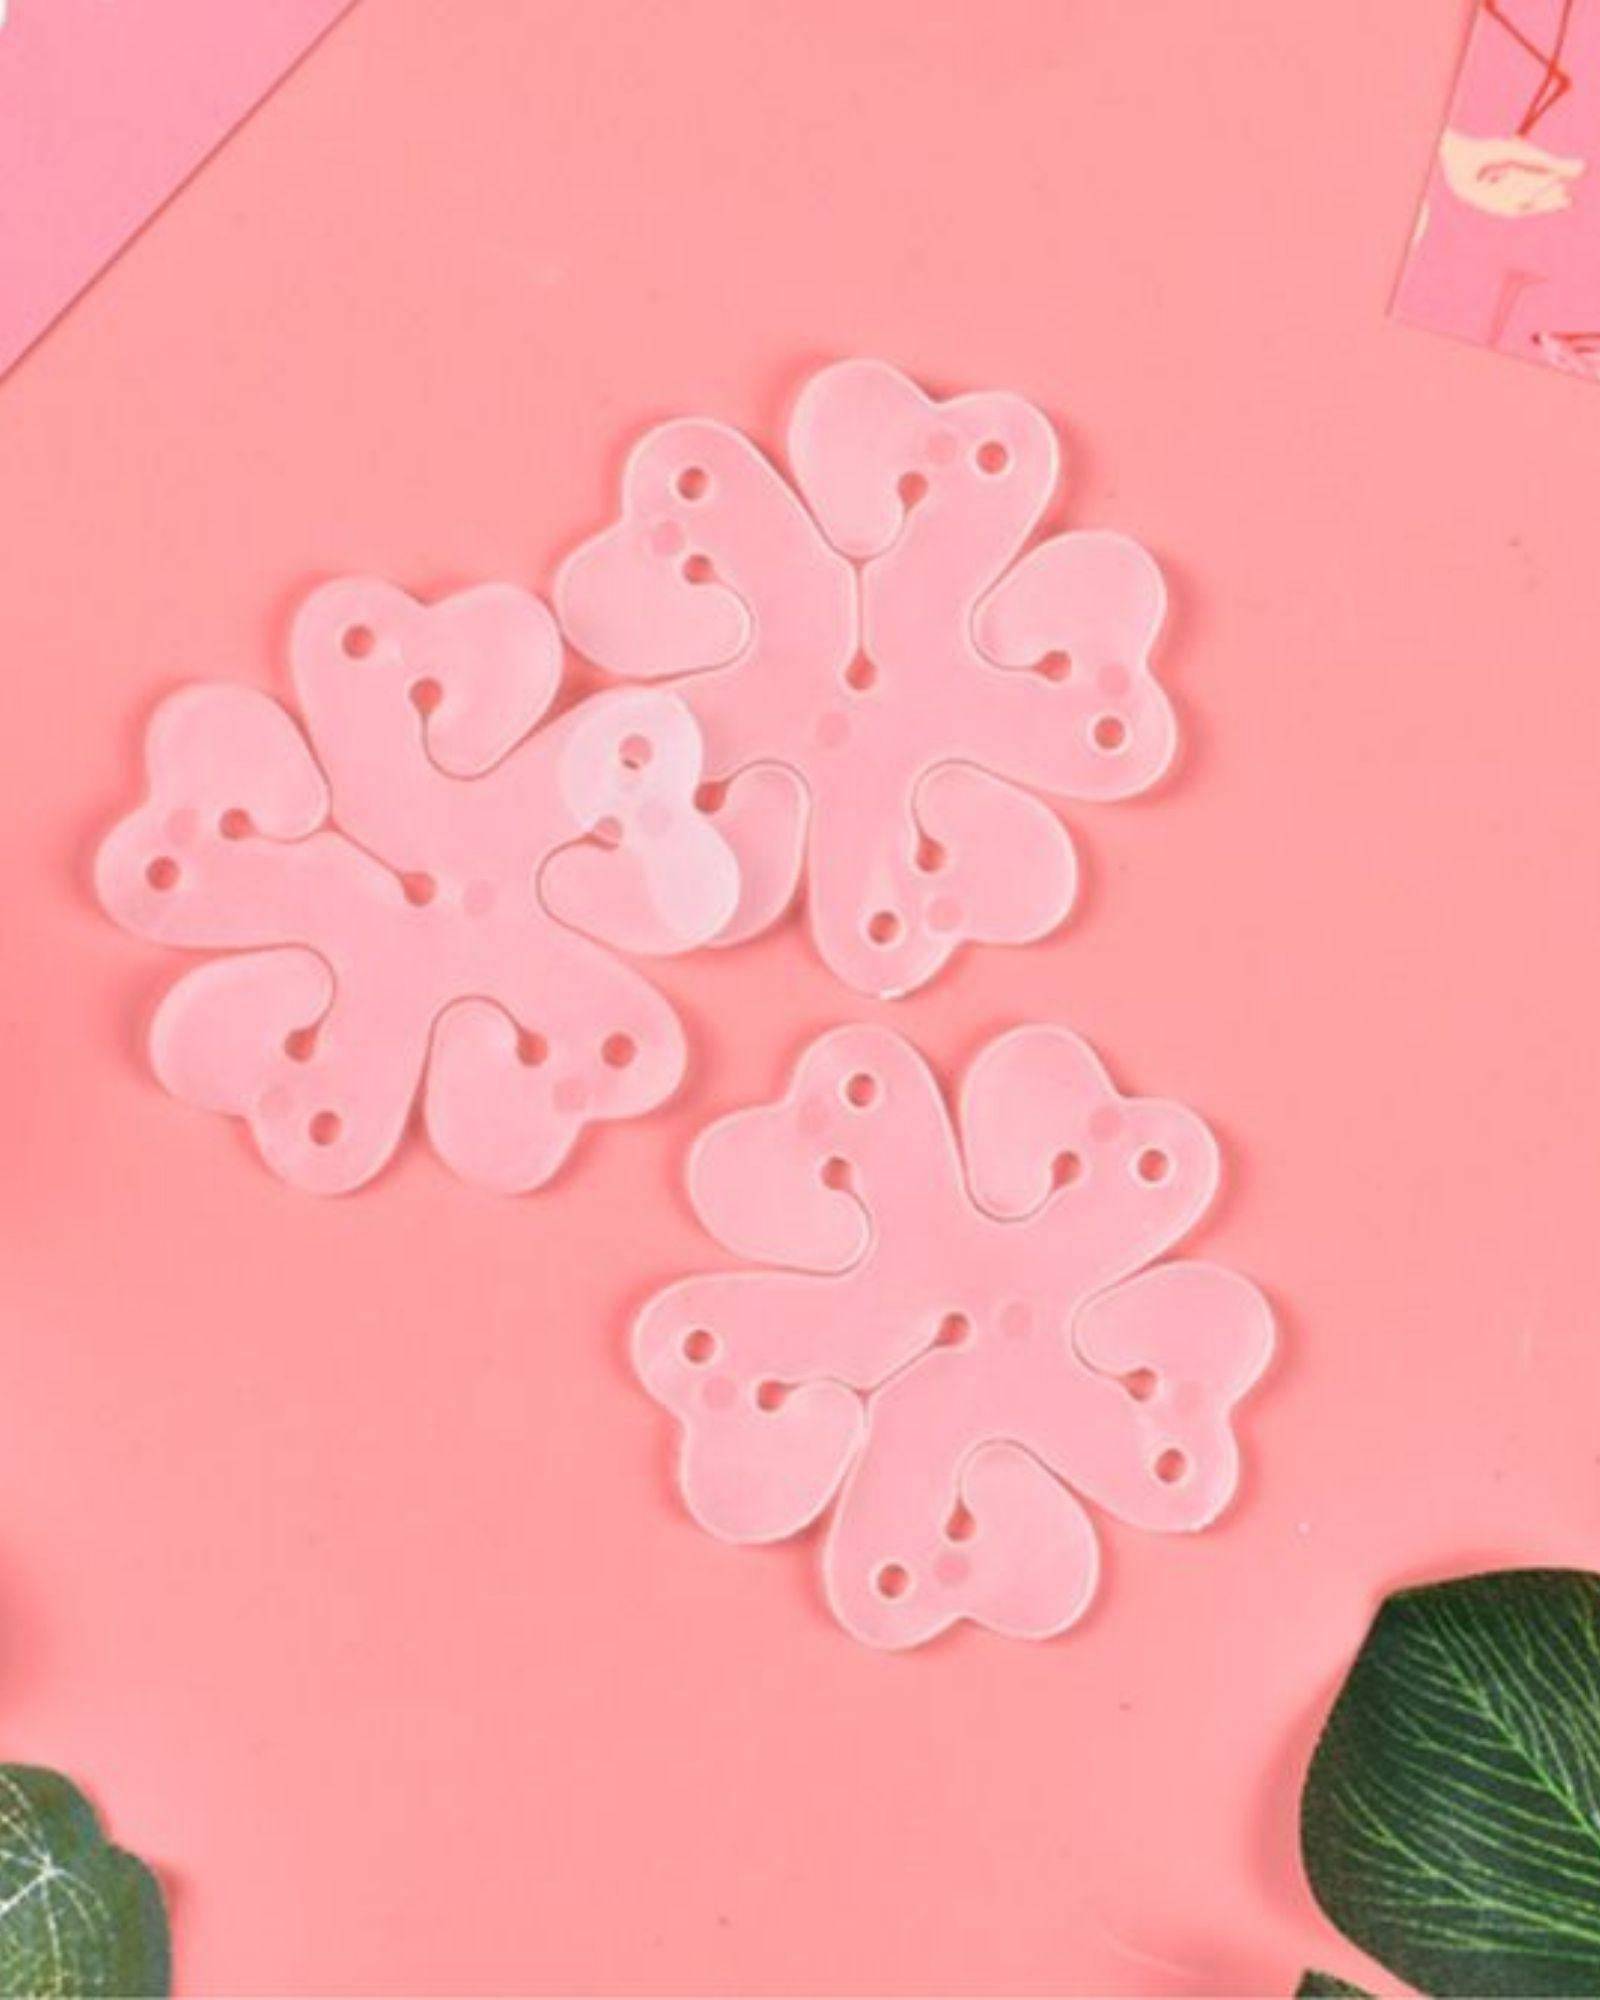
(105, 106)
(337, 1549)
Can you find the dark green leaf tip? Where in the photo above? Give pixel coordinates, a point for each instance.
(1451, 1819)
(79, 1918)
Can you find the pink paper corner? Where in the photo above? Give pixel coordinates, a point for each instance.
(106, 107)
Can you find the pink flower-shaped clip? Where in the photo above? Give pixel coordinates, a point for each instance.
(964, 1338)
(411, 900)
(878, 667)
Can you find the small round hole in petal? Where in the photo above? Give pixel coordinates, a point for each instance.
(1153, 1166)
(1066, 1169)
(892, 1581)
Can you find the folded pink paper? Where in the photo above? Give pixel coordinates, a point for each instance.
(106, 107)
(1507, 248)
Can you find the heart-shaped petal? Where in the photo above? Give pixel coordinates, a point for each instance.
(1006, 872)
(1042, 1122)
(889, 902)
(657, 875)
(227, 1031)
(503, 1106)
(1027, 1565)
(1194, 1338)
(762, 818)
(861, 431)
(261, 1035)
(1094, 723)
(216, 756)
(471, 674)
(760, 1458)
(763, 1194)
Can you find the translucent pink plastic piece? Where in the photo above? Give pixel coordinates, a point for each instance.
(405, 895)
(962, 1339)
(877, 666)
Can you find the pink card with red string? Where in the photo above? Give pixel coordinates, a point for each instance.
(1507, 244)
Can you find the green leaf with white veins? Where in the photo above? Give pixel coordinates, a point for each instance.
(1451, 1819)
(78, 1917)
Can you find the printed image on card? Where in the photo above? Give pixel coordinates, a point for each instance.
(1507, 245)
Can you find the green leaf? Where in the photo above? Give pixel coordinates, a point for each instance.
(1451, 1818)
(1323, 1986)
(78, 1917)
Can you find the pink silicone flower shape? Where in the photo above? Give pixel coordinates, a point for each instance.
(880, 671)
(965, 1341)
(412, 900)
